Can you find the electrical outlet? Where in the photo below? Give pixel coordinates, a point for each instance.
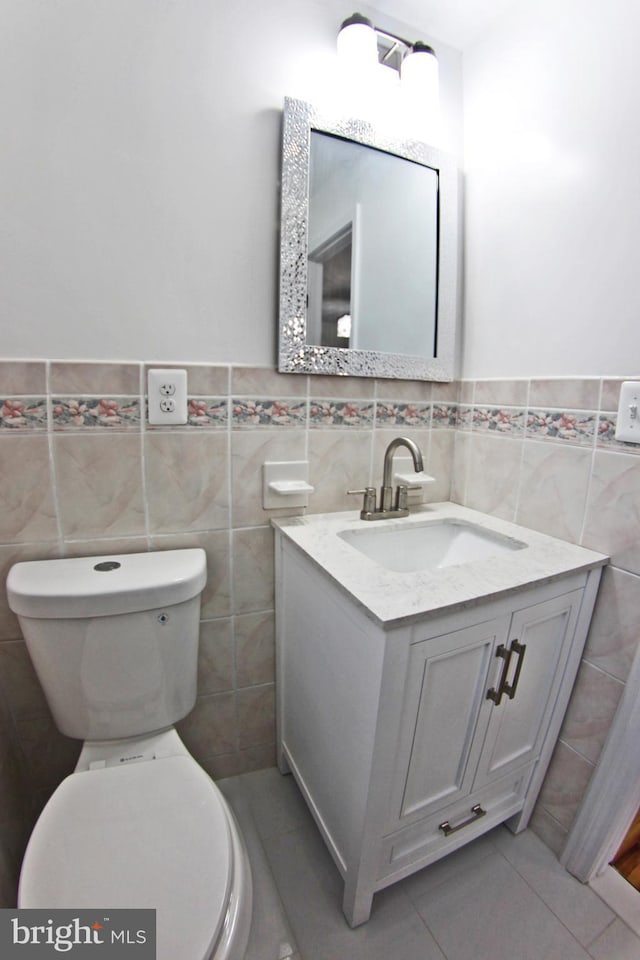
(167, 395)
(628, 422)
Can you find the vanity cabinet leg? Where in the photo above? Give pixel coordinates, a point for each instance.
(282, 762)
(356, 903)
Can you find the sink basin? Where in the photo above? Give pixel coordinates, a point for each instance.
(428, 546)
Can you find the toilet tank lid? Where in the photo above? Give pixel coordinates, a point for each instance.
(105, 585)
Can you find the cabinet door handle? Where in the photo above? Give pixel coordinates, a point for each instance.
(476, 813)
(493, 694)
(519, 649)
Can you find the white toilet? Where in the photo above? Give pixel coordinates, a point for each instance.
(114, 641)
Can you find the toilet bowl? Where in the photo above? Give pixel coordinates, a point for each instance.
(138, 823)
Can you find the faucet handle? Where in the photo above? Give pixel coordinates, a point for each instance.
(369, 504)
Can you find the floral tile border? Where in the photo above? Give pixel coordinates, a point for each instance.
(444, 415)
(505, 421)
(208, 412)
(112, 413)
(573, 426)
(464, 419)
(268, 413)
(23, 413)
(341, 413)
(392, 414)
(606, 435)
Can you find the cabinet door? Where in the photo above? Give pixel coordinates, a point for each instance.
(539, 640)
(445, 715)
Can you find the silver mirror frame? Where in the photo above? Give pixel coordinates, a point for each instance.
(295, 355)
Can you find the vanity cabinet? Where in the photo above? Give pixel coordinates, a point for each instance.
(411, 738)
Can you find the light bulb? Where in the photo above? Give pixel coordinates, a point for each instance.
(357, 44)
(419, 74)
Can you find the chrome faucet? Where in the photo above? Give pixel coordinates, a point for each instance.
(390, 506)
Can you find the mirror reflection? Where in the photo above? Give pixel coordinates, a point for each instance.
(372, 260)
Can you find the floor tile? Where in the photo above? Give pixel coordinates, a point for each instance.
(424, 881)
(616, 943)
(574, 903)
(271, 937)
(311, 890)
(276, 802)
(490, 913)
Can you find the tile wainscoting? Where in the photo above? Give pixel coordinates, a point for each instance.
(543, 453)
(83, 474)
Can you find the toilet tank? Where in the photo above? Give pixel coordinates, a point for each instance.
(113, 639)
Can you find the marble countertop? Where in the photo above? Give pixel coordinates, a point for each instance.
(393, 598)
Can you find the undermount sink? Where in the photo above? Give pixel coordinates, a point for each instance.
(429, 546)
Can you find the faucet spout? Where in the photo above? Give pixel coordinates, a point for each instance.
(413, 449)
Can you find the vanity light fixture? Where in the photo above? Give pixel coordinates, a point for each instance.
(362, 45)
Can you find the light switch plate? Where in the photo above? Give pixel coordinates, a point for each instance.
(628, 423)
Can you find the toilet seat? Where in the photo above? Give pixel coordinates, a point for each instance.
(148, 833)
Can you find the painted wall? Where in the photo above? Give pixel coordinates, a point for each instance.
(552, 289)
(139, 181)
(139, 209)
(552, 153)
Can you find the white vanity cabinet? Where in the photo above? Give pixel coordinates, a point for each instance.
(410, 738)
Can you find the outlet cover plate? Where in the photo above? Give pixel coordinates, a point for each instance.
(167, 396)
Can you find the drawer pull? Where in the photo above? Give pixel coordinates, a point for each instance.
(476, 813)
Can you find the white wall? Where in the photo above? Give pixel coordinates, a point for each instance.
(139, 170)
(552, 158)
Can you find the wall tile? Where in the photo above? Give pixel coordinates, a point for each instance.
(265, 382)
(249, 451)
(562, 426)
(553, 490)
(253, 576)
(187, 481)
(613, 510)
(341, 413)
(614, 634)
(342, 388)
(27, 510)
(99, 484)
(511, 393)
(593, 704)
(339, 460)
(255, 649)
(93, 379)
(19, 683)
(22, 377)
(256, 715)
(493, 475)
(210, 728)
(577, 394)
(215, 657)
(565, 784)
(102, 413)
(399, 391)
(20, 415)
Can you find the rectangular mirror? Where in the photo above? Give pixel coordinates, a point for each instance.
(368, 251)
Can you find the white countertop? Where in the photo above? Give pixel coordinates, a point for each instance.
(392, 598)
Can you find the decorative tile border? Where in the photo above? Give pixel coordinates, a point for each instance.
(566, 425)
(114, 413)
(208, 412)
(444, 415)
(268, 413)
(392, 414)
(464, 419)
(506, 421)
(23, 413)
(341, 413)
(606, 435)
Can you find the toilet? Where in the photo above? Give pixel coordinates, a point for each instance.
(114, 641)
